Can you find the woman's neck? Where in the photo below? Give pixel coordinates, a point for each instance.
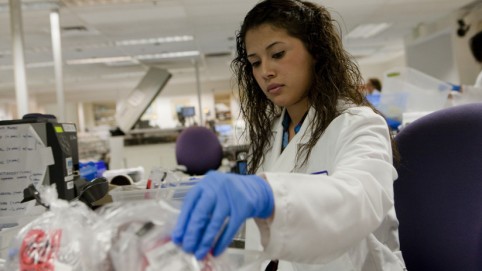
(297, 112)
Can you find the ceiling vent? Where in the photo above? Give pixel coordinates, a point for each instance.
(218, 54)
(74, 28)
(77, 30)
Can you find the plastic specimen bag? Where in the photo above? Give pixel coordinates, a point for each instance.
(121, 236)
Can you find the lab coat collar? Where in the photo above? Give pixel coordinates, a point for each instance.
(286, 160)
(304, 137)
(300, 137)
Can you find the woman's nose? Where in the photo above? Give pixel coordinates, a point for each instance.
(267, 70)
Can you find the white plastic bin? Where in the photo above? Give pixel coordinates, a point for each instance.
(409, 90)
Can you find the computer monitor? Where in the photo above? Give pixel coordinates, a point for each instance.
(224, 129)
(188, 111)
(130, 109)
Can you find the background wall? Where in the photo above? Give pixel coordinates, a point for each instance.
(437, 50)
(432, 48)
(379, 69)
(466, 65)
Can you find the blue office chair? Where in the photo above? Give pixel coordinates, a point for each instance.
(199, 150)
(438, 194)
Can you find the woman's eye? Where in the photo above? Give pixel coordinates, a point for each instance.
(255, 64)
(279, 55)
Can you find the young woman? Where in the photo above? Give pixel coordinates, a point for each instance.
(321, 158)
(470, 93)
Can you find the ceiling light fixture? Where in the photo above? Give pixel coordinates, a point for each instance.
(154, 40)
(367, 30)
(37, 5)
(98, 2)
(96, 60)
(109, 60)
(168, 55)
(29, 65)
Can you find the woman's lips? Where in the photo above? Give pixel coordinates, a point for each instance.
(274, 88)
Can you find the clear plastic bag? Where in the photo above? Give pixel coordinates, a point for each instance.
(53, 241)
(136, 237)
(160, 177)
(121, 236)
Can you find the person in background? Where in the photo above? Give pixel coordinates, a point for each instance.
(372, 90)
(476, 49)
(373, 86)
(469, 93)
(320, 167)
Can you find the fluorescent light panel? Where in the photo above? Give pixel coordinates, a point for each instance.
(106, 60)
(168, 39)
(29, 65)
(111, 60)
(39, 5)
(367, 30)
(154, 40)
(168, 55)
(96, 60)
(98, 2)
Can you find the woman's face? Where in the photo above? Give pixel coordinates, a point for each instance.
(281, 65)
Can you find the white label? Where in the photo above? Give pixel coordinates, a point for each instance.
(69, 165)
(70, 185)
(69, 127)
(69, 178)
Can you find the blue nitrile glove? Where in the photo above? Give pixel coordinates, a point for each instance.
(456, 87)
(393, 123)
(219, 199)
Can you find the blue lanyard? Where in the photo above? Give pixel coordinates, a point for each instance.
(286, 124)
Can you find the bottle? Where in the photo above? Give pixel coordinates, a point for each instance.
(242, 163)
(156, 177)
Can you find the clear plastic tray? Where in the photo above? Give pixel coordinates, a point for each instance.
(409, 90)
(173, 193)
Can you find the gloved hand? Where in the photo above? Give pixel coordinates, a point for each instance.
(219, 199)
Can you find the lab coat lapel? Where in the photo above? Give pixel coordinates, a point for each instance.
(286, 160)
(272, 155)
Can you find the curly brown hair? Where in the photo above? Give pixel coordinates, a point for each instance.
(335, 75)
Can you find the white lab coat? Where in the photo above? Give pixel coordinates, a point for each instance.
(478, 81)
(470, 93)
(340, 220)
